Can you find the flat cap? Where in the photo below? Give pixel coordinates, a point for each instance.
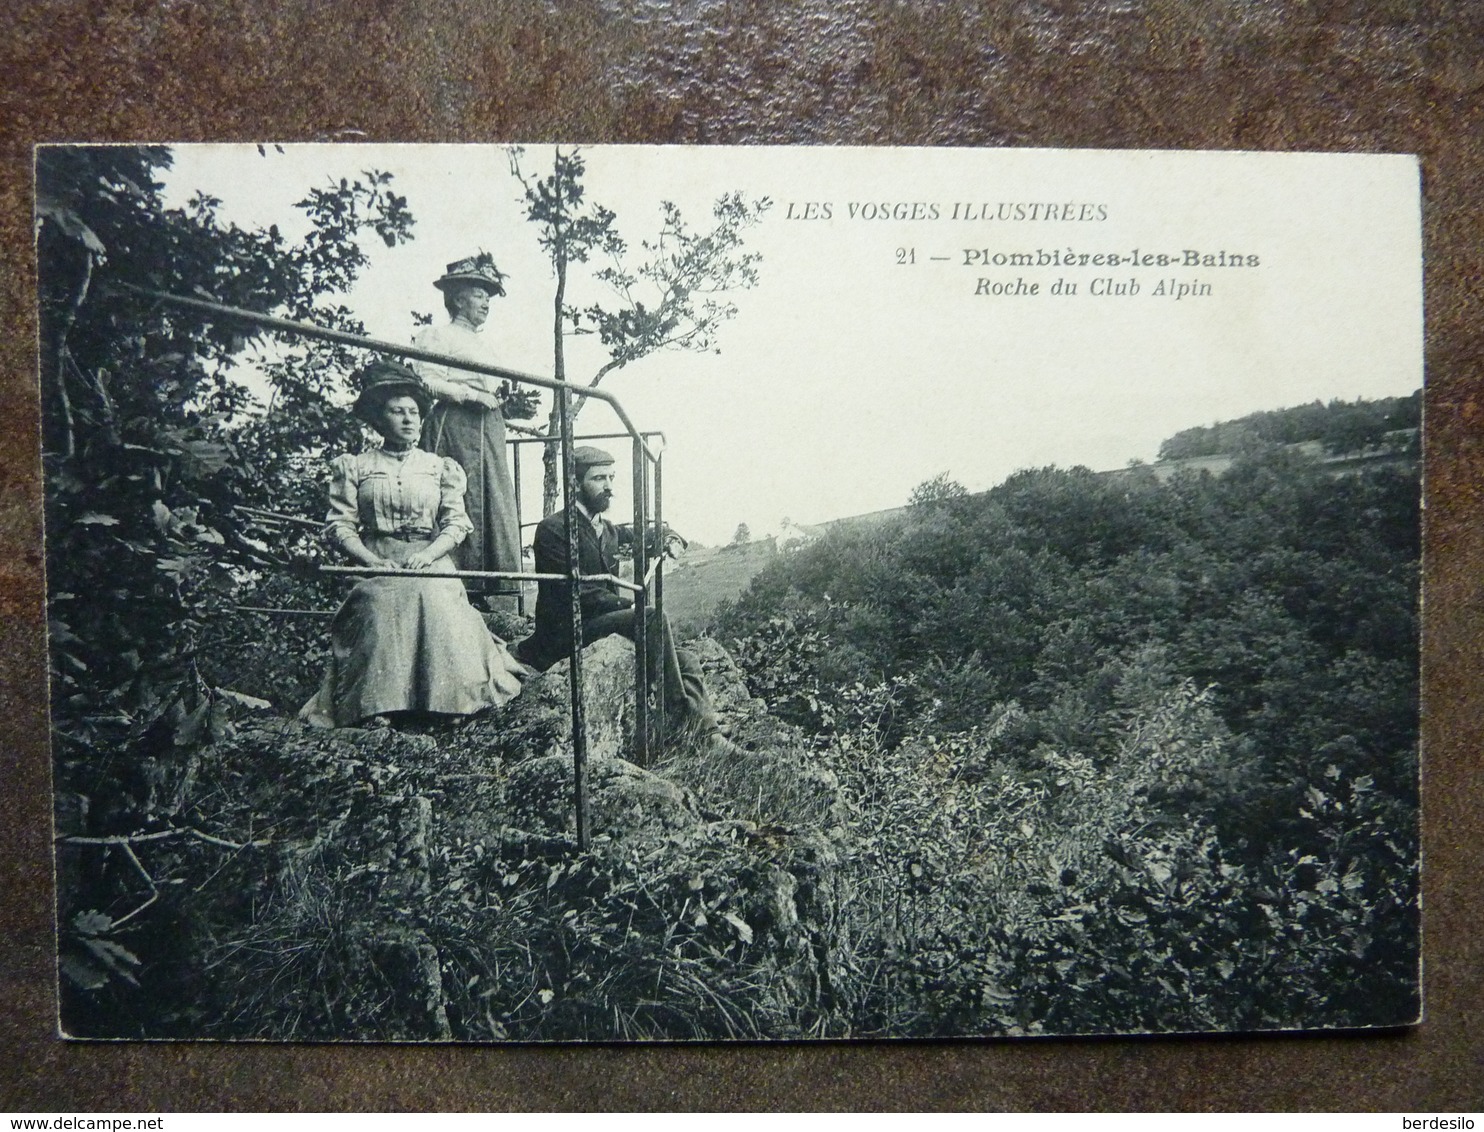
(587, 456)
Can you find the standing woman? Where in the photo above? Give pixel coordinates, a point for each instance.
(401, 643)
(467, 422)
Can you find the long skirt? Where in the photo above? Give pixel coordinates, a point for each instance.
(410, 645)
(475, 437)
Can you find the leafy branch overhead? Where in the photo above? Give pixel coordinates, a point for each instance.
(571, 227)
(675, 299)
(685, 275)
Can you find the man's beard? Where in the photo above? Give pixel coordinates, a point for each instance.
(596, 503)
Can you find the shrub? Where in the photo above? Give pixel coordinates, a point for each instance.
(1122, 754)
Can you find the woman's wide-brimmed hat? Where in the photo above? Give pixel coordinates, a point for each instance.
(479, 270)
(382, 380)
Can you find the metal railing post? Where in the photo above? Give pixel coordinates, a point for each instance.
(659, 589)
(574, 584)
(641, 612)
(520, 589)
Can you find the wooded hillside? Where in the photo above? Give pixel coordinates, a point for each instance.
(1341, 426)
(1150, 746)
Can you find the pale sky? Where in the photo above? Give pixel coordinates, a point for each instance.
(847, 377)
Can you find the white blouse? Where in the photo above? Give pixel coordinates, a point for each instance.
(377, 492)
(458, 341)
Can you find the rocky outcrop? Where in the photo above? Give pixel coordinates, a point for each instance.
(440, 865)
(539, 721)
(626, 802)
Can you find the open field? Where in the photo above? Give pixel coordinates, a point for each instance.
(702, 578)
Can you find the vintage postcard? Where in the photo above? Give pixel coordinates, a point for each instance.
(561, 593)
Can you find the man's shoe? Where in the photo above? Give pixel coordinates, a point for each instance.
(523, 651)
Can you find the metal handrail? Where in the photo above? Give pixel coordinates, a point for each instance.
(416, 353)
(258, 513)
(505, 575)
(643, 455)
(544, 439)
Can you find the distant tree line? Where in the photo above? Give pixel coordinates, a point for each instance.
(1341, 426)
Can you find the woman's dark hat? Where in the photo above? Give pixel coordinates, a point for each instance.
(383, 380)
(480, 270)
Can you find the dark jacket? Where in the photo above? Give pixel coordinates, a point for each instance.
(597, 554)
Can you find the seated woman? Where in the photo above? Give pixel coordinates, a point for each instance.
(401, 643)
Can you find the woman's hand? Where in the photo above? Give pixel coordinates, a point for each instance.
(362, 555)
(484, 400)
(431, 554)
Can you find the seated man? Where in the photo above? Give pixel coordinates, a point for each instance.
(606, 608)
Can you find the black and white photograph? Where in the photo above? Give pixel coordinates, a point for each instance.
(561, 593)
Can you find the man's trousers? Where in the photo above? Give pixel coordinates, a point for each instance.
(687, 704)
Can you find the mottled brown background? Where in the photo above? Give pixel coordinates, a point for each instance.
(1397, 75)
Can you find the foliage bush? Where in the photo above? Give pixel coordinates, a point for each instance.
(374, 887)
(155, 440)
(913, 853)
(153, 437)
(1125, 754)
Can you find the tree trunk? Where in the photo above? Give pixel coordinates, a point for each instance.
(551, 457)
(550, 488)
